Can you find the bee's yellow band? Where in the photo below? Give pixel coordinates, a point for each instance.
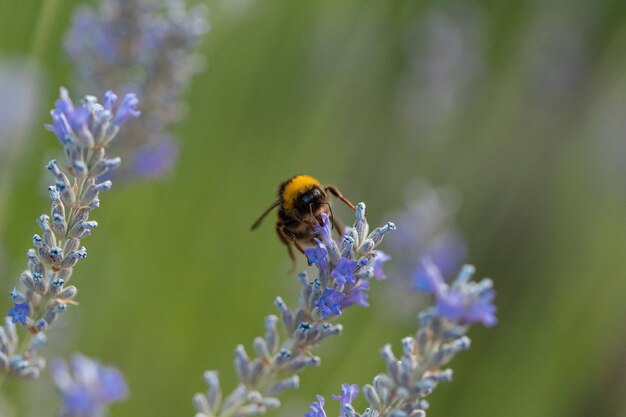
(295, 187)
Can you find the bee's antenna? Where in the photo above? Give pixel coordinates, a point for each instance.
(332, 218)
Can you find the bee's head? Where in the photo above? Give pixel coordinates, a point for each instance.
(311, 200)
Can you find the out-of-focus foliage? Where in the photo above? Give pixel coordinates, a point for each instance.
(519, 106)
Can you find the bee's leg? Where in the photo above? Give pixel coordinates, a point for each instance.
(288, 239)
(334, 191)
(297, 216)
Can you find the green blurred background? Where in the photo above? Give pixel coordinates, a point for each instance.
(520, 106)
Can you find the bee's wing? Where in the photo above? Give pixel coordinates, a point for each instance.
(265, 213)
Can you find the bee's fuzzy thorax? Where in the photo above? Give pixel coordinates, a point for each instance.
(294, 187)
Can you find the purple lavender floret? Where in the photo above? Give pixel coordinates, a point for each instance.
(317, 407)
(127, 109)
(357, 295)
(330, 302)
(380, 258)
(317, 255)
(344, 270)
(464, 301)
(19, 313)
(87, 387)
(348, 394)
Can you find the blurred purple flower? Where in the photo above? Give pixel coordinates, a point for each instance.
(357, 295)
(155, 160)
(144, 47)
(445, 65)
(87, 387)
(426, 230)
(20, 84)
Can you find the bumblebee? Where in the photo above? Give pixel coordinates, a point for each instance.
(301, 201)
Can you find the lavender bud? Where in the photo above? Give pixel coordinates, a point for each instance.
(304, 278)
(72, 245)
(56, 255)
(58, 223)
(79, 168)
(94, 190)
(347, 246)
(17, 297)
(32, 255)
(48, 237)
(83, 229)
(466, 274)
(260, 348)
(201, 404)
(39, 283)
(372, 397)
(271, 333)
(299, 363)
(290, 383)
(286, 315)
(388, 355)
(54, 169)
(56, 286)
(38, 241)
(242, 363)
(256, 371)
(41, 325)
(104, 166)
(38, 341)
(27, 279)
(282, 357)
(68, 293)
(214, 394)
(361, 224)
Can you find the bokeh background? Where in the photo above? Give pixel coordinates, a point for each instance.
(518, 107)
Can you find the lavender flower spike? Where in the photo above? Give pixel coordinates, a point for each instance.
(86, 387)
(344, 272)
(402, 390)
(84, 130)
(147, 47)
